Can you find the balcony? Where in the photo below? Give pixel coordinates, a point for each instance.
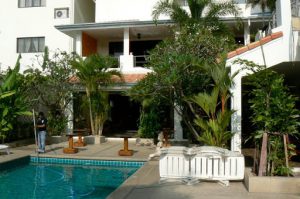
(140, 60)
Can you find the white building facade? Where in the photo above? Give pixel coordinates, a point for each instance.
(124, 29)
(27, 26)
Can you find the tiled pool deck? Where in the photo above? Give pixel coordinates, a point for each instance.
(145, 182)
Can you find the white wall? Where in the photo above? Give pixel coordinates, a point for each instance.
(30, 22)
(124, 10)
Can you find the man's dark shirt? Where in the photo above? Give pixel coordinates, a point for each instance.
(42, 121)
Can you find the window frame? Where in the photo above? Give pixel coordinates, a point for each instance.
(40, 48)
(24, 3)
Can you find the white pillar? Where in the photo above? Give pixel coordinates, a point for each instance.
(247, 32)
(127, 59)
(126, 42)
(284, 19)
(236, 121)
(178, 133)
(78, 43)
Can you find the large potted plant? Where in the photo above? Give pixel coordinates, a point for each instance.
(275, 118)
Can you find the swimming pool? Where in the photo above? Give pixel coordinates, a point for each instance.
(63, 178)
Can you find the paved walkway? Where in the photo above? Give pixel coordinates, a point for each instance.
(145, 182)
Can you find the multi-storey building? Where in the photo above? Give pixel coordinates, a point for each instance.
(125, 29)
(27, 26)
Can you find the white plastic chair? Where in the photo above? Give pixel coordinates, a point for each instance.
(4, 147)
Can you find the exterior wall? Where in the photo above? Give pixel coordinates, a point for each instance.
(120, 10)
(273, 56)
(30, 22)
(84, 11)
(277, 51)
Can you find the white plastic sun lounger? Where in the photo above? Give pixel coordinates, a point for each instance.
(201, 163)
(4, 147)
(214, 163)
(174, 163)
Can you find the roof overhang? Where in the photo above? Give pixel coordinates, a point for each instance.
(73, 29)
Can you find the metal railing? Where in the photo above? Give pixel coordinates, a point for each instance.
(118, 59)
(295, 5)
(140, 60)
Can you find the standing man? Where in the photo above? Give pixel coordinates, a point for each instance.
(42, 126)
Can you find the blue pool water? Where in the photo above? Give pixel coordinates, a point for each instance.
(61, 178)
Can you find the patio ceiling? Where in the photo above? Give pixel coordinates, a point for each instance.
(147, 32)
(114, 30)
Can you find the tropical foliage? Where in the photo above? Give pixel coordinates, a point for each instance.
(150, 120)
(205, 13)
(274, 114)
(214, 123)
(94, 72)
(181, 68)
(51, 87)
(14, 99)
(263, 4)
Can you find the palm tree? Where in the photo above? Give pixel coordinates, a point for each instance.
(271, 4)
(94, 72)
(223, 79)
(205, 12)
(214, 128)
(264, 4)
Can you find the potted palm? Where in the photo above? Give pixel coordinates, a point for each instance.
(275, 118)
(94, 72)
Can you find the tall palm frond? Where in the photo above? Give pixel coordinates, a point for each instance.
(207, 102)
(214, 131)
(198, 11)
(94, 71)
(271, 4)
(172, 9)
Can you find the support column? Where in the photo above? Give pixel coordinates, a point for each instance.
(126, 60)
(247, 32)
(126, 42)
(284, 21)
(178, 133)
(78, 43)
(236, 122)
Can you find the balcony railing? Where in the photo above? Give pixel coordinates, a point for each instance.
(140, 60)
(118, 59)
(295, 4)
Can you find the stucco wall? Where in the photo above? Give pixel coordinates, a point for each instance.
(30, 22)
(120, 10)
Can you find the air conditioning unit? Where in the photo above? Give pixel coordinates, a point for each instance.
(61, 13)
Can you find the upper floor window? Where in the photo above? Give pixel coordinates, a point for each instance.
(30, 44)
(31, 3)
